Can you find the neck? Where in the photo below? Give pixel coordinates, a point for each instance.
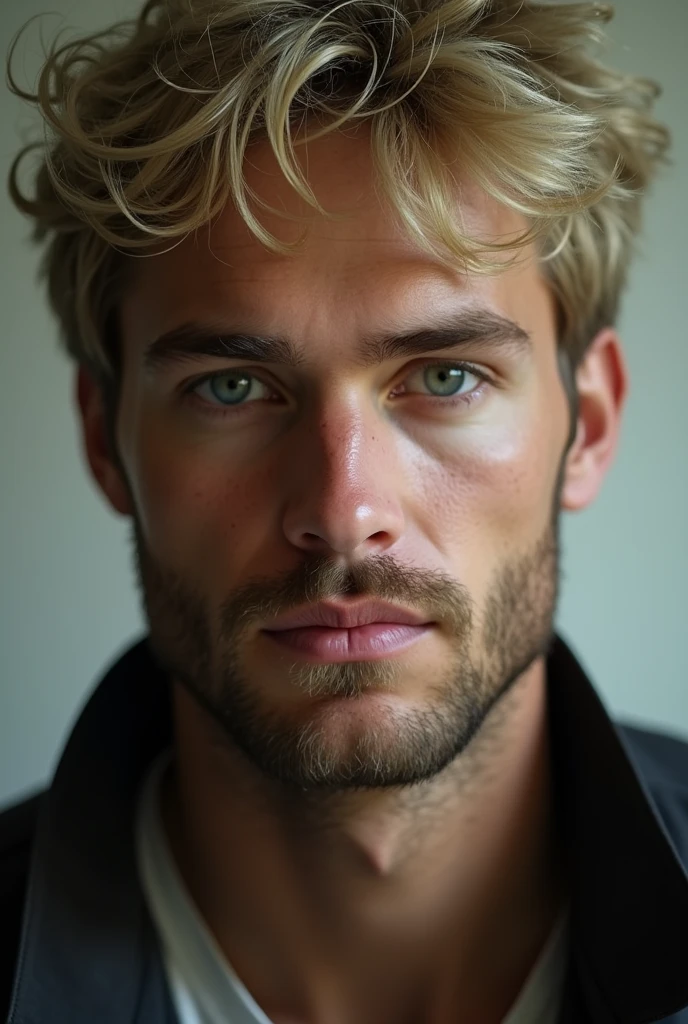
(429, 903)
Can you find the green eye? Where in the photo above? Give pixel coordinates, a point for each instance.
(231, 388)
(444, 380)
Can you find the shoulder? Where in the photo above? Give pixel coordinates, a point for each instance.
(662, 762)
(17, 828)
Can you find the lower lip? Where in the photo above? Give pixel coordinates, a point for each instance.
(376, 640)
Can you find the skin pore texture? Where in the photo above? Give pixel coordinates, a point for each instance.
(370, 842)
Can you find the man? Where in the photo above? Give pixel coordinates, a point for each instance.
(340, 281)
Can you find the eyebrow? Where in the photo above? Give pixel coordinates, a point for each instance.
(468, 327)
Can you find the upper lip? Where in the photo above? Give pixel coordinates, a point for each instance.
(338, 616)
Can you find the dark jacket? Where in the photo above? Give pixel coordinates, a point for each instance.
(77, 945)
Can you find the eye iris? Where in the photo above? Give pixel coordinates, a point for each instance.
(230, 388)
(444, 380)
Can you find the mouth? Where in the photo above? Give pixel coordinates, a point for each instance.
(369, 642)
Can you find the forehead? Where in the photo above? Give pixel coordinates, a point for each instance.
(360, 268)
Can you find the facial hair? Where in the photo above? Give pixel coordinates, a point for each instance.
(203, 649)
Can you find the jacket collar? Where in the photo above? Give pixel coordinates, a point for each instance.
(630, 890)
(88, 949)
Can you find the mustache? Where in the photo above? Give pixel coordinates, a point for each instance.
(431, 592)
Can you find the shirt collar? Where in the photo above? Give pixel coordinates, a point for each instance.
(88, 950)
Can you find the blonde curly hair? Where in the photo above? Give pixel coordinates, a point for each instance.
(147, 124)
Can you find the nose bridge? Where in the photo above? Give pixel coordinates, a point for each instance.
(342, 493)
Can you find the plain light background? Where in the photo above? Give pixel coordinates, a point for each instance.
(68, 600)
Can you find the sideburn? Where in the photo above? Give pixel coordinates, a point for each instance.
(567, 374)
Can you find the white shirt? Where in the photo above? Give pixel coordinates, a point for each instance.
(205, 988)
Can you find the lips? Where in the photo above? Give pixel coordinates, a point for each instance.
(346, 616)
(361, 643)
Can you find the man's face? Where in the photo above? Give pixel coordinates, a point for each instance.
(340, 469)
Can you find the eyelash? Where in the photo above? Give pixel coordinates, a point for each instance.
(451, 402)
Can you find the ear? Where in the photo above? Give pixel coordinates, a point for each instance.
(102, 460)
(602, 383)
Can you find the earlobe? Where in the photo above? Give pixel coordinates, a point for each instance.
(102, 461)
(602, 384)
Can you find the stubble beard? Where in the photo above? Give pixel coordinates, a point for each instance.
(489, 649)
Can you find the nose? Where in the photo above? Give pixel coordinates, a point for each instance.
(344, 485)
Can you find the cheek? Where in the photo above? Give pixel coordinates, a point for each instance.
(197, 505)
(488, 496)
